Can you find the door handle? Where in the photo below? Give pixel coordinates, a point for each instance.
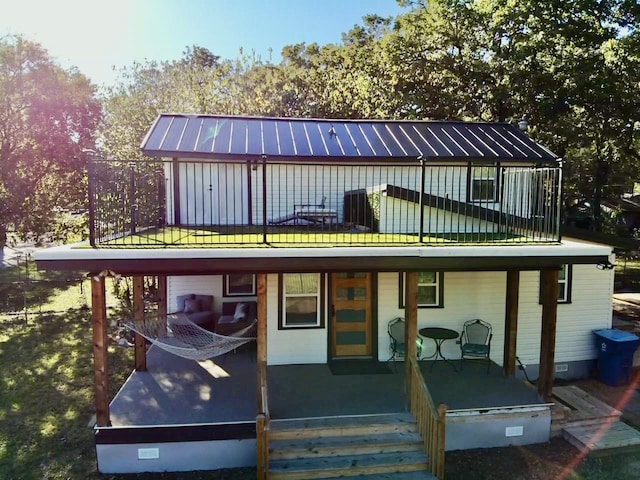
(333, 310)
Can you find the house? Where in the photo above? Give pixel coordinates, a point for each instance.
(335, 228)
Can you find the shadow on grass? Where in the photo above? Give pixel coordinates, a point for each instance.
(23, 284)
(46, 380)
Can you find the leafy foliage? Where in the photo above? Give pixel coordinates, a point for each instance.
(47, 117)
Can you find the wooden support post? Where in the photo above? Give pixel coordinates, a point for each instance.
(262, 318)
(511, 322)
(549, 290)
(100, 350)
(411, 328)
(162, 297)
(138, 313)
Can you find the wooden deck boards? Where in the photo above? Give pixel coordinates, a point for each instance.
(590, 424)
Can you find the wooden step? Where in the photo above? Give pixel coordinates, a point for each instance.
(313, 428)
(394, 476)
(602, 437)
(348, 466)
(585, 408)
(354, 445)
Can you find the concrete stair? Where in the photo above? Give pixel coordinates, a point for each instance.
(368, 447)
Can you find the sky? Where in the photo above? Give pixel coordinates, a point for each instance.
(102, 36)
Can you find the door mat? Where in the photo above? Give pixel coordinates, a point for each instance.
(358, 367)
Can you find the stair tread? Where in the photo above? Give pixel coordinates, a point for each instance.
(346, 441)
(348, 462)
(344, 421)
(422, 475)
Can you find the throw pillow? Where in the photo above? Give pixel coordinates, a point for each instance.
(241, 311)
(191, 305)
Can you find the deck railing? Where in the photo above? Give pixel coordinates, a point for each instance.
(431, 419)
(196, 203)
(262, 424)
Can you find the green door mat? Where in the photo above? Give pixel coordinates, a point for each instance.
(358, 367)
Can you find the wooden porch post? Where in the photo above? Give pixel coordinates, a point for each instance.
(100, 352)
(138, 313)
(511, 322)
(262, 318)
(162, 296)
(411, 327)
(549, 290)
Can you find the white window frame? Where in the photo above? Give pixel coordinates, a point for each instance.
(484, 178)
(564, 294)
(284, 295)
(229, 293)
(438, 284)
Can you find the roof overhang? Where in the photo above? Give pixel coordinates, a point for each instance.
(191, 261)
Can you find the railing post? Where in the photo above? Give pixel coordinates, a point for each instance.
(132, 197)
(264, 199)
(92, 193)
(421, 199)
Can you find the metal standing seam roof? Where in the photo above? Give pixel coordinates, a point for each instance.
(300, 139)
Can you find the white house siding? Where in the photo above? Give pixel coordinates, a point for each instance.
(292, 346)
(400, 216)
(291, 185)
(213, 193)
(469, 295)
(590, 309)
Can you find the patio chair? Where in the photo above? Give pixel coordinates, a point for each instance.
(475, 341)
(397, 343)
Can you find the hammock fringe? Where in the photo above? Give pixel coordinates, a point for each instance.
(178, 335)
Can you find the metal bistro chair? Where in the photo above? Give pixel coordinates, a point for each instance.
(397, 343)
(475, 341)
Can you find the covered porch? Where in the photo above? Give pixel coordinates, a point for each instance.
(176, 391)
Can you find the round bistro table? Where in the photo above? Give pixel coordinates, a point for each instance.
(439, 335)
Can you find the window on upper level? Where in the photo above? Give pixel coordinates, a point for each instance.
(483, 185)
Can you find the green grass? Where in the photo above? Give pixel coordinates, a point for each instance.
(253, 237)
(628, 274)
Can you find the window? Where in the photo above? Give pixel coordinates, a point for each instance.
(564, 284)
(300, 300)
(240, 285)
(483, 186)
(430, 289)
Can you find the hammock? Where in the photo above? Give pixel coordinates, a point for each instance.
(178, 335)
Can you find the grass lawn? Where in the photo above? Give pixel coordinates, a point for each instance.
(46, 399)
(252, 237)
(628, 274)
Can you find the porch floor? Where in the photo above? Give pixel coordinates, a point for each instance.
(175, 391)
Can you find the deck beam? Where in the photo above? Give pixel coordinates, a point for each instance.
(549, 289)
(511, 322)
(100, 349)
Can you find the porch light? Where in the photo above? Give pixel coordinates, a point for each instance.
(606, 265)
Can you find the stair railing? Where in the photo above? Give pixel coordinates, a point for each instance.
(431, 420)
(262, 424)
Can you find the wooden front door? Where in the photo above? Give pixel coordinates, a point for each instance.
(351, 315)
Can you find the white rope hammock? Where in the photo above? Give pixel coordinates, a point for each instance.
(178, 335)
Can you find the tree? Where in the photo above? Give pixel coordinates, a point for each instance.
(48, 115)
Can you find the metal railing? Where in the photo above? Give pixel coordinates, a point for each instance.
(431, 420)
(196, 203)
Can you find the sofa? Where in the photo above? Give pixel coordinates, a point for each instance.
(198, 309)
(235, 316)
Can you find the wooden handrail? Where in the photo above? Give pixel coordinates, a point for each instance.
(431, 420)
(262, 423)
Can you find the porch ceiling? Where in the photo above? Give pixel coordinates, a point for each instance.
(199, 261)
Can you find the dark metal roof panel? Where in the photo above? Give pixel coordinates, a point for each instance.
(227, 137)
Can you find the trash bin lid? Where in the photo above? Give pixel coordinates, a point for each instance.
(616, 335)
